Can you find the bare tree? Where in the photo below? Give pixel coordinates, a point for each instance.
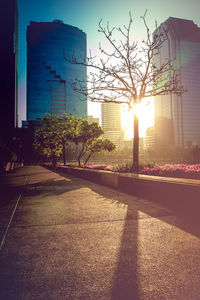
(127, 73)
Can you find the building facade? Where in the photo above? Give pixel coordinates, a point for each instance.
(111, 122)
(48, 72)
(177, 118)
(92, 119)
(9, 65)
(149, 139)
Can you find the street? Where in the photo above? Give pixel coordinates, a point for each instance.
(63, 237)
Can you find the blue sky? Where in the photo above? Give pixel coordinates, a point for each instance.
(85, 14)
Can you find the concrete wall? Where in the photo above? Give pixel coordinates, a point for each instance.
(180, 194)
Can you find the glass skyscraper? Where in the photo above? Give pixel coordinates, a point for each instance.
(177, 117)
(49, 74)
(9, 65)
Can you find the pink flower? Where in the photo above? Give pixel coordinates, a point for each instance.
(175, 170)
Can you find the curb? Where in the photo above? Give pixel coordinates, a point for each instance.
(182, 194)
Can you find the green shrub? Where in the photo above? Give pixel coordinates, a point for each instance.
(127, 167)
(147, 165)
(124, 167)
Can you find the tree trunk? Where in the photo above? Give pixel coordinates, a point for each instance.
(64, 153)
(54, 161)
(81, 155)
(135, 167)
(88, 158)
(79, 161)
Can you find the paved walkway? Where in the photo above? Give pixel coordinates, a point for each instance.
(65, 238)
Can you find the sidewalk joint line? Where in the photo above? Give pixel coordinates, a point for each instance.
(11, 218)
(91, 222)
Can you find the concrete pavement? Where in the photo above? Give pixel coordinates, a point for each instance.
(66, 238)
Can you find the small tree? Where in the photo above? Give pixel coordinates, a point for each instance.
(127, 74)
(66, 126)
(83, 136)
(55, 134)
(98, 145)
(51, 140)
(47, 144)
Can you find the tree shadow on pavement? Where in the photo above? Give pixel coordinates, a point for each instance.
(125, 280)
(125, 284)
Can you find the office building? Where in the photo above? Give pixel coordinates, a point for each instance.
(48, 72)
(92, 119)
(149, 139)
(177, 118)
(111, 122)
(9, 65)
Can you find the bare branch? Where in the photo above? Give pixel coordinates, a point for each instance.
(126, 74)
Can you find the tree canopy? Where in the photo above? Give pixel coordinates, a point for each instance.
(57, 132)
(97, 145)
(47, 140)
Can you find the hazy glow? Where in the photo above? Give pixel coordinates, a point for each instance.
(146, 118)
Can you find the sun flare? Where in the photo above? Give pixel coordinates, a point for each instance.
(146, 118)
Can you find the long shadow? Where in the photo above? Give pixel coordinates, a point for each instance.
(19, 175)
(9, 190)
(187, 217)
(125, 285)
(125, 279)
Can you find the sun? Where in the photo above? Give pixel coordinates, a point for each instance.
(145, 112)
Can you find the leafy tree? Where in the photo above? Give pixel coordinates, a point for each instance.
(56, 133)
(127, 73)
(83, 136)
(47, 143)
(98, 145)
(66, 126)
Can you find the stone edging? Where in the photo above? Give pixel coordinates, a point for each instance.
(181, 193)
